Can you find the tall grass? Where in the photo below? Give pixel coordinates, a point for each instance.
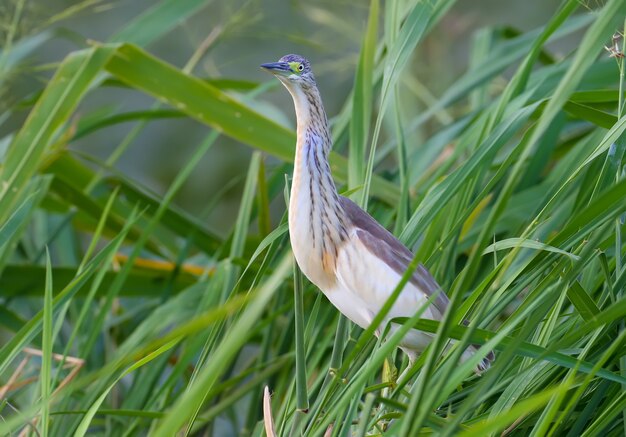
(159, 325)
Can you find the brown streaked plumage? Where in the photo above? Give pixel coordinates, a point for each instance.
(354, 261)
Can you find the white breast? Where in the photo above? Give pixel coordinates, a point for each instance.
(308, 255)
(365, 282)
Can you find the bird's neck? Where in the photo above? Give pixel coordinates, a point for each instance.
(314, 210)
(314, 139)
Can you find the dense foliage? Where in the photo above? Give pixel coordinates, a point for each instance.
(124, 314)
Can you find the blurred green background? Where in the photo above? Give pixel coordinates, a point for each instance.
(240, 36)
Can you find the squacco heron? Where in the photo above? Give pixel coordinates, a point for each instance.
(347, 254)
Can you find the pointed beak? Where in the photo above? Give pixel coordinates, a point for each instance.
(278, 68)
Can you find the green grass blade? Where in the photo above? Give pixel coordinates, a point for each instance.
(47, 342)
(83, 428)
(362, 100)
(52, 110)
(510, 243)
(10, 349)
(411, 32)
(302, 397)
(584, 304)
(500, 422)
(195, 395)
(157, 21)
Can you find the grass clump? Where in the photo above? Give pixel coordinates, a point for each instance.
(125, 314)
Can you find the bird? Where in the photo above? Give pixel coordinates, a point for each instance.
(338, 246)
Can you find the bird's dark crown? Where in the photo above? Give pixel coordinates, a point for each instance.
(297, 58)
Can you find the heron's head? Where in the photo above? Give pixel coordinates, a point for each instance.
(292, 71)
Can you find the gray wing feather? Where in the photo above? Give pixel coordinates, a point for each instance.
(388, 248)
(385, 246)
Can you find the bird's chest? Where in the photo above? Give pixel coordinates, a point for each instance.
(313, 258)
(314, 231)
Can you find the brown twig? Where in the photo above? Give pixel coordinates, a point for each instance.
(512, 427)
(12, 380)
(73, 363)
